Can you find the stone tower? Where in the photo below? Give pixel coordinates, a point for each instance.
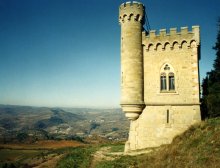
(159, 79)
(131, 19)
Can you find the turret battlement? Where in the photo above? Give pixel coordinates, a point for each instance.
(131, 4)
(173, 37)
(131, 11)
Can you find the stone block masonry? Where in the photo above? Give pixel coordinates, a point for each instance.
(159, 79)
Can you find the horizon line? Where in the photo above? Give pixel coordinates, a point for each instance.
(39, 106)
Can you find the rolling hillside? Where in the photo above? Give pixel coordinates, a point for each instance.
(28, 124)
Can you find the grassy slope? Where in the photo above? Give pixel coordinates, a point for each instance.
(199, 147)
(79, 157)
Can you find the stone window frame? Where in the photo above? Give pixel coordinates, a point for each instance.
(168, 71)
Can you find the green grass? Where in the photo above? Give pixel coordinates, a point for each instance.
(122, 162)
(15, 155)
(79, 157)
(117, 147)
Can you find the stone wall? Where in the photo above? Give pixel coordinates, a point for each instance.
(154, 127)
(149, 59)
(180, 52)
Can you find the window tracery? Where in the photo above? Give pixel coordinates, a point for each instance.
(167, 79)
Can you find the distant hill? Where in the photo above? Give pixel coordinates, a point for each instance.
(34, 117)
(33, 123)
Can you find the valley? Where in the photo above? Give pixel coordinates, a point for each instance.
(30, 124)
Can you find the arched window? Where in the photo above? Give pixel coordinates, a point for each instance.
(163, 82)
(171, 81)
(167, 79)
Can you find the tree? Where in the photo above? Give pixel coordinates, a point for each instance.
(216, 64)
(22, 137)
(211, 85)
(204, 110)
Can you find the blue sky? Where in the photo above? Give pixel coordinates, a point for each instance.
(67, 52)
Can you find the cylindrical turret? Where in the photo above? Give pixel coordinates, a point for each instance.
(131, 18)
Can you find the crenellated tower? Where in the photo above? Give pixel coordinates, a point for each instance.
(159, 79)
(131, 19)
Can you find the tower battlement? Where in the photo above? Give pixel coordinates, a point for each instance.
(131, 4)
(173, 37)
(131, 11)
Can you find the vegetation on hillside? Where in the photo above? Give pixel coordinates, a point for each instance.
(211, 85)
(80, 157)
(198, 147)
(42, 154)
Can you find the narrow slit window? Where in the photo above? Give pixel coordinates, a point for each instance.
(168, 116)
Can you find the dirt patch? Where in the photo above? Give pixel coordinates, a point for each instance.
(50, 162)
(104, 154)
(58, 144)
(47, 144)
